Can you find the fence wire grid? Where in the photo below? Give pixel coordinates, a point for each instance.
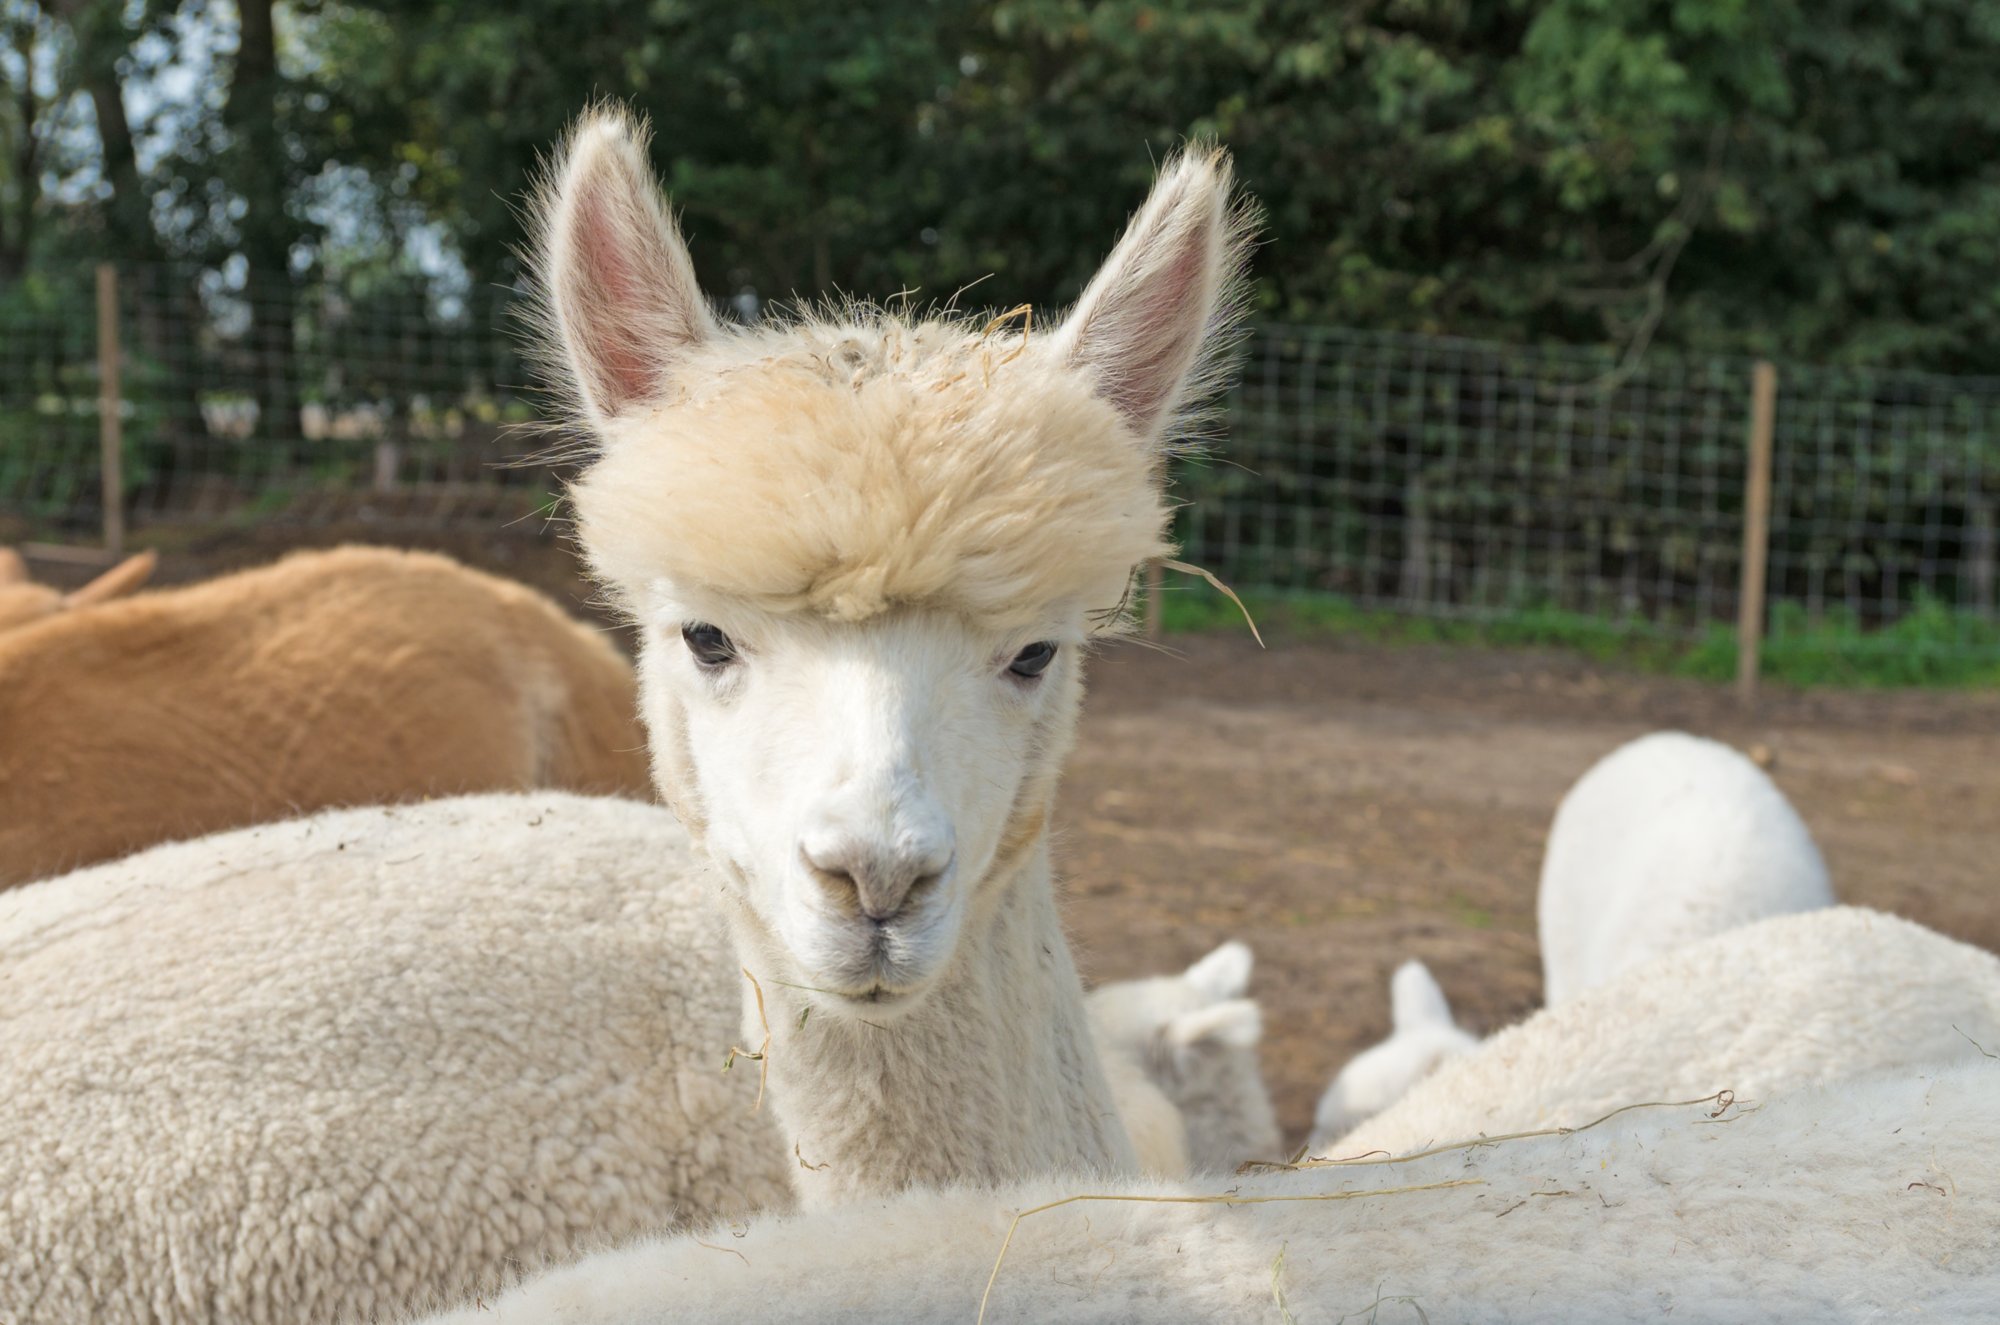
(1433, 476)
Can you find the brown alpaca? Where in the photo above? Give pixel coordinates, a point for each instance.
(355, 676)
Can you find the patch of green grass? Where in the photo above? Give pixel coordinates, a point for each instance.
(1933, 645)
(1469, 914)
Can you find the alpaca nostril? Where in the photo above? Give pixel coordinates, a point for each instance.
(830, 875)
(879, 884)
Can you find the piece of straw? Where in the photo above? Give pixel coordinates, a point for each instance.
(1227, 592)
(1723, 1099)
(763, 1055)
(1222, 1198)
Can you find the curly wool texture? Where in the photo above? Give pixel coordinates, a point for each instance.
(366, 1062)
(1791, 1001)
(1874, 1198)
(848, 468)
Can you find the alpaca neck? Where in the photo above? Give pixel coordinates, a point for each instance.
(992, 1076)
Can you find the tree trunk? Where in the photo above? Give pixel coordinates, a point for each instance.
(260, 173)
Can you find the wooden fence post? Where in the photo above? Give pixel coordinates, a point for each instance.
(110, 411)
(1156, 578)
(1756, 530)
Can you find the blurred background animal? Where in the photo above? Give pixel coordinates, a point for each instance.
(354, 676)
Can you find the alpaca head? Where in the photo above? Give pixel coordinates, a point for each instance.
(1196, 1035)
(1422, 1037)
(865, 551)
(23, 602)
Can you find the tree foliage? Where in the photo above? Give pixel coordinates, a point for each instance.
(1806, 180)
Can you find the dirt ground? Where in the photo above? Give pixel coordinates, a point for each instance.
(1344, 807)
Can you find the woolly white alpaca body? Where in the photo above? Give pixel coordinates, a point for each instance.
(364, 1062)
(1786, 1002)
(865, 554)
(1192, 1037)
(1873, 1197)
(1667, 839)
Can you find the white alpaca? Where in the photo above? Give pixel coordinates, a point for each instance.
(909, 530)
(1762, 1008)
(866, 554)
(1194, 1037)
(1422, 1036)
(414, 1048)
(335, 1068)
(1666, 840)
(1873, 1197)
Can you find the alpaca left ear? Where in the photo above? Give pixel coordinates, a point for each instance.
(1156, 317)
(1224, 973)
(128, 576)
(617, 283)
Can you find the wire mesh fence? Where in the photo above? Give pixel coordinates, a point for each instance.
(1434, 476)
(266, 398)
(1478, 480)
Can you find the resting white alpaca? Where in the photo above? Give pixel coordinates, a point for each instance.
(1422, 1035)
(865, 555)
(1793, 1000)
(1824, 1201)
(1668, 839)
(335, 1068)
(1193, 1036)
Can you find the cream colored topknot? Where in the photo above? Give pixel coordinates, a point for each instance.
(853, 462)
(848, 468)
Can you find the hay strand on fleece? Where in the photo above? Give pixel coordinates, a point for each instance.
(1724, 1100)
(1218, 1198)
(763, 1055)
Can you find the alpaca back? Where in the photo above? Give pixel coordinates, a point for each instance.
(1872, 1199)
(1667, 840)
(366, 1061)
(1785, 1003)
(356, 676)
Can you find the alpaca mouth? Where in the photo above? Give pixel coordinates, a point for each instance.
(878, 996)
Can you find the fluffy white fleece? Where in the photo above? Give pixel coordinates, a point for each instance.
(1790, 1001)
(1870, 1198)
(1667, 839)
(365, 1062)
(374, 1060)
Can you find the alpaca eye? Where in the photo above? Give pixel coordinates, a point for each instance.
(710, 647)
(1033, 660)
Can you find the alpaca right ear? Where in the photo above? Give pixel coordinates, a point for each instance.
(616, 280)
(1416, 999)
(1155, 320)
(13, 570)
(1224, 973)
